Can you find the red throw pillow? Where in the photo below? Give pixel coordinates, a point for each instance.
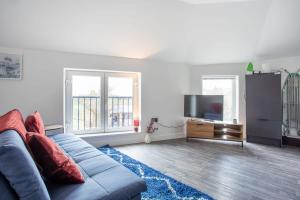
(34, 123)
(13, 120)
(54, 163)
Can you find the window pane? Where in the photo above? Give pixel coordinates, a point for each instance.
(87, 111)
(120, 94)
(226, 87)
(86, 92)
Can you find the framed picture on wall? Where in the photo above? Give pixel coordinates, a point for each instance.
(10, 66)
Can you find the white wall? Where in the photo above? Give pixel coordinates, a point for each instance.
(292, 64)
(162, 88)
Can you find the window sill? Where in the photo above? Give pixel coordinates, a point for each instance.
(107, 134)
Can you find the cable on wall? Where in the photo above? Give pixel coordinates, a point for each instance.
(151, 128)
(165, 126)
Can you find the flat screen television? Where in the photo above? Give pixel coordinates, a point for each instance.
(204, 106)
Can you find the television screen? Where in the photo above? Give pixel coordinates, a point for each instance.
(204, 106)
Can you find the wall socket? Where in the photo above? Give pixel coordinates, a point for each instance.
(154, 119)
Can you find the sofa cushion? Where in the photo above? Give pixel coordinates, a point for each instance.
(18, 167)
(34, 123)
(54, 163)
(104, 177)
(6, 191)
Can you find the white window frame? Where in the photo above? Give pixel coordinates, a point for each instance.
(136, 103)
(135, 97)
(235, 90)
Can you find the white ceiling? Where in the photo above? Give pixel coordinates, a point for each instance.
(189, 31)
(211, 1)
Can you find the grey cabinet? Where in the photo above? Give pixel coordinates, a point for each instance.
(263, 108)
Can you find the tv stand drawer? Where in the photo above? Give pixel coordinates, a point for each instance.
(214, 130)
(200, 129)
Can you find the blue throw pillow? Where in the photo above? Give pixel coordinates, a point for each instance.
(19, 169)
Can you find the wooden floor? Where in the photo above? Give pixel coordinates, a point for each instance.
(225, 170)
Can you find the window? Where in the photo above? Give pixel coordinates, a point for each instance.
(98, 101)
(227, 86)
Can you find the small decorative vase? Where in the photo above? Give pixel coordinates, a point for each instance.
(250, 68)
(148, 139)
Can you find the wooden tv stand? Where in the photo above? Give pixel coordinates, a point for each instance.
(214, 130)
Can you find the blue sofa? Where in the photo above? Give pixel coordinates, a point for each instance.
(104, 177)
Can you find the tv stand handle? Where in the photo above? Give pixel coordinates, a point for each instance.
(201, 124)
(262, 119)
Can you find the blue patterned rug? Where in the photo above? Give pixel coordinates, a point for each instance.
(160, 186)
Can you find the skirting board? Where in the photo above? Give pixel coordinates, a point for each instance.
(129, 138)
